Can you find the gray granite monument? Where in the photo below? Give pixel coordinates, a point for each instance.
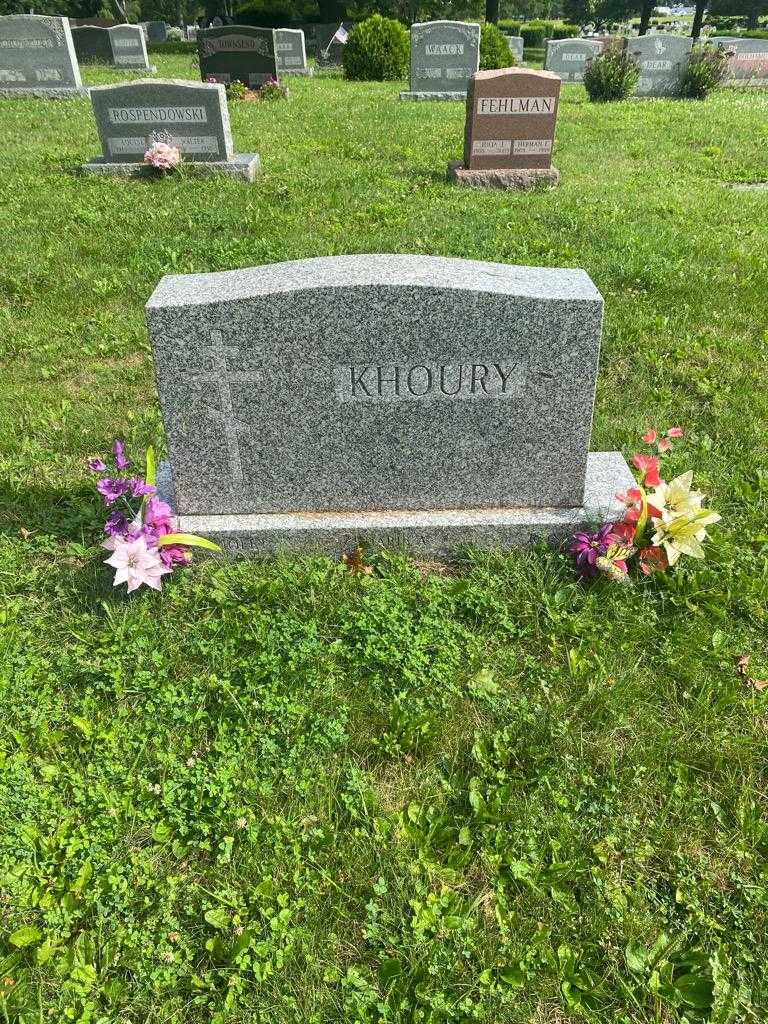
(157, 31)
(444, 56)
(37, 58)
(662, 60)
(748, 64)
(290, 52)
(129, 48)
(567, 58)
(408, 401)
(190, 115)
(516, 46)
(239, 53)
(92, 44)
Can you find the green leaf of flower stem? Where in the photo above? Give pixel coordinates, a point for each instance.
(25, 936)
(640, 529)
(190, 539)
(150, 476)
(217, 918)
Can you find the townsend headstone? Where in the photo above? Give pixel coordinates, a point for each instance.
(290, 52)
(567, 58)
(129, 49)
(510, 130)
(237, 53)
(37, 58)
(92, 44)
(444, 56)
(402, 400)
(516, 46)
(190, 115)
(748, 63)
(662, 60)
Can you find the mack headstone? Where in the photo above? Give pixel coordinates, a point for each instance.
(567, 58)
(290, 52)
(509, 131)
(37, 58)
(329, 51)
(748, 64)
(92, 44)
(444, 56)
(237, 53)
(192, 116)
(408, 401)
(662, 60)
(129, 49)
(516, 46)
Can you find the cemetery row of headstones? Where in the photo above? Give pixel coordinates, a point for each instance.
(121, 46)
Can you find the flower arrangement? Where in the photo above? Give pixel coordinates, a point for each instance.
(139, 532)
(272, 90)
(661, 522)
(163, 157)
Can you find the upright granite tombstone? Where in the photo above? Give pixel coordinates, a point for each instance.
(516, 46)
(444, 56)
(190, 115)
(129, 49)
(401, 400)
(329, 51)
(92, 44)
(510, 130)
(662, 60)
(37, 58)
(290, 52)
(567, 58)
(237, 53)
(157, 31)
(748, 64)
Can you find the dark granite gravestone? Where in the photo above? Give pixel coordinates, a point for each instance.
(92, 44)
(37, 58)
(401, 400)
(444, 56)
(290, 52)
(237, 53)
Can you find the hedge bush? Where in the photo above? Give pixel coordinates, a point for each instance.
(706, 70)
(533, 35)
(494, 49)
(377, 50)
(510, 28)
(610, 76)
(565, 31)
(266, 13)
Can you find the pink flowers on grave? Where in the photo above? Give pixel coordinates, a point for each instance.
(163, 157)
(139, 528)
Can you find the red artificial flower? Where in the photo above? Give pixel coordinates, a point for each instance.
(624, 532)
(650, 436)
(652, 559)
(675, 432)
(664, 445)
(649, 468)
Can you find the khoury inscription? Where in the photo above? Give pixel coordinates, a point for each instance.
(400, 400)
(509, 131)
(444, 56)
(190, 115)
(37, 58)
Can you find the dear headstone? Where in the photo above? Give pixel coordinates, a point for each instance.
(510, 130)
(567, 58)
(129, 49)
(37, 58)
(444, 56)
(239, 53)
(662, 60)
(190, 115)
(92, 44)
(290, 52)
(399, 400)
(516, 46)
(329, 51)
(748, 64)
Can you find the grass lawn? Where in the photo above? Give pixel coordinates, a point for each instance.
(284, 793)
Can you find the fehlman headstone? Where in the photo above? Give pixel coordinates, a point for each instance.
(400, 400)
(567, 58)
(290, 52)
(662, 60)
(748, 64)
(190, 115)
(444, 56)
(237, 53)
(37, 58)
(510, 130)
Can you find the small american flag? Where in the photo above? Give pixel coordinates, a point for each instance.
(341, 34)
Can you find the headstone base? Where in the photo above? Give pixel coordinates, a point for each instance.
(438, 533)
(514, 179)
(35, 92)
(244, 166)
(306, 72)
(457, 97)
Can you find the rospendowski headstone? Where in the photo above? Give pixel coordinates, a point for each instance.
(239, 53)
(190, 115)
(37, 58)
(444, 56)
(401, 400)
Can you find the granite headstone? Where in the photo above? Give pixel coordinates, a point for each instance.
(129, 49)
(157, 31)
(192, 116)
(510, 130)
(444, 56)
(662, 60)
(567, 58)
(748, 64)
(516, 46)
(92, 44)
(290, 52)
(37, 58)
(407, 400)
(237, 53)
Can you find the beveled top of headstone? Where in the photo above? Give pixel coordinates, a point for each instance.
(511, 115)
(444, 55)
(376, 382)
(36, 52)
(241, 53)
(191, 115)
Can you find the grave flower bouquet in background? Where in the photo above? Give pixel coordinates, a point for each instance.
(661, 522)
(139, 531)
(163, 157)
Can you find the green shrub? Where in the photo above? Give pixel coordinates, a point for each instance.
(706, 70)
(494, 49)
(175, 35)
(565, 31)
(611, 75)
(533, 35)
(377, 50)
(269, 13)
(510, 28)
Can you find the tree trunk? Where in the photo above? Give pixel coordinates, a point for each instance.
(698, 18)
(645, 16)
(492, 11)
(753, 14)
